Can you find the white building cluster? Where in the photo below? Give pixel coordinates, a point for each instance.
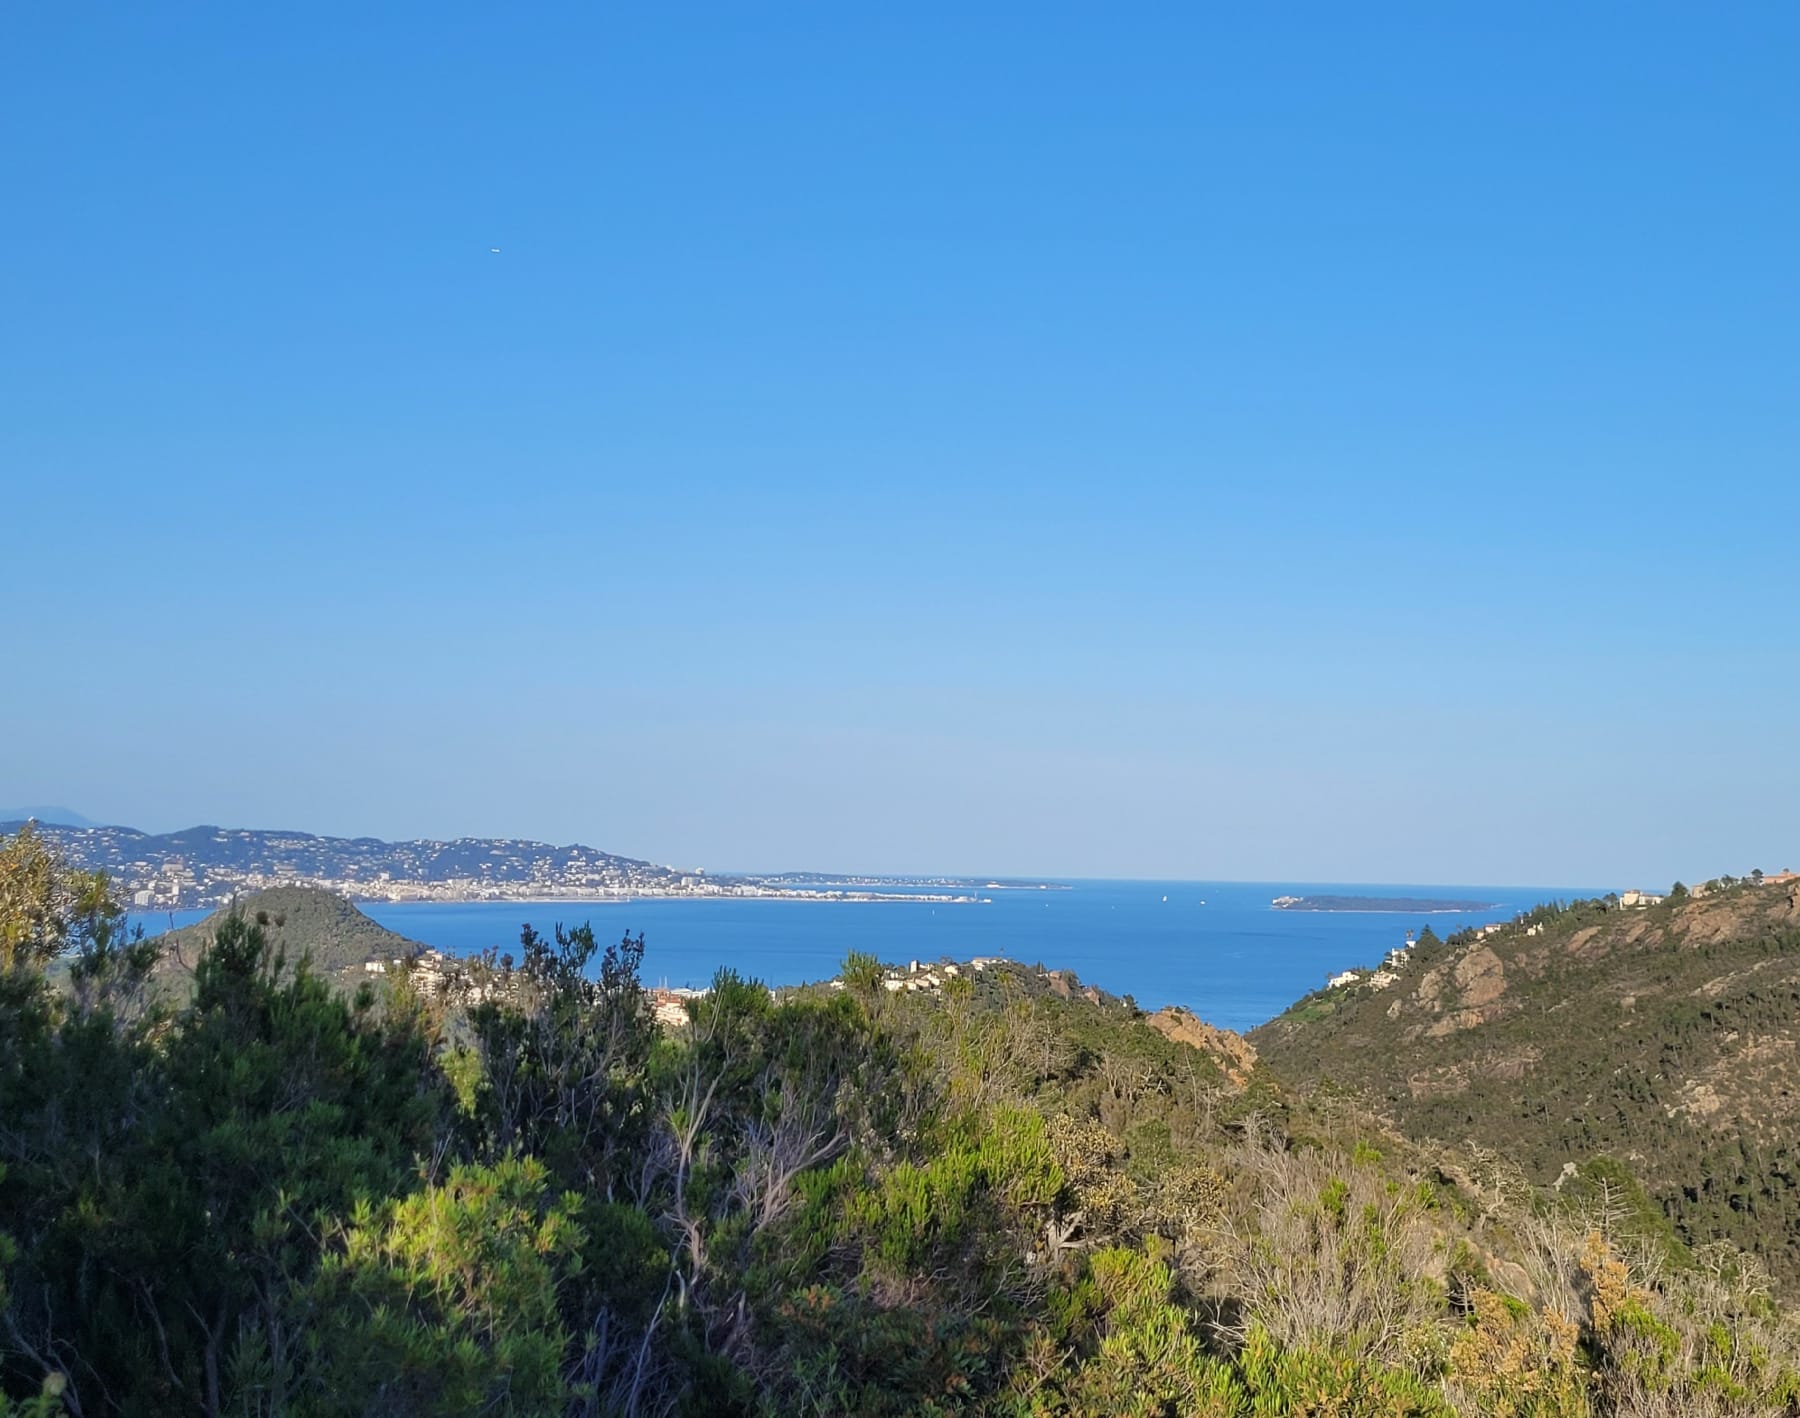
(919, 977)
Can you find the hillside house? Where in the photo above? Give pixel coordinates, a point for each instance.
(669, 1006)
(1635, 899)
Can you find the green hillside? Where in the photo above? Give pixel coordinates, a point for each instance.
(1666, 1038)
(297, 921)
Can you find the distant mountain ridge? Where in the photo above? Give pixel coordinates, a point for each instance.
(209, 865)
(57, 816)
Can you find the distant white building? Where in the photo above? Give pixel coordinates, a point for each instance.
(913, 978)
(1635, 898)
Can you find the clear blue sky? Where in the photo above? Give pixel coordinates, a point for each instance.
(1350, 442)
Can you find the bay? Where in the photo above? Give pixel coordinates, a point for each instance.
(1218, 948)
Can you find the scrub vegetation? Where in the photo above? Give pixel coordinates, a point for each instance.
(1660, 1044)
(1013, 1196)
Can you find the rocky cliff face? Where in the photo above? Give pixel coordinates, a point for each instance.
(1232, 1052)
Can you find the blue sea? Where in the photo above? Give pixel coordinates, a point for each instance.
(1216, 947)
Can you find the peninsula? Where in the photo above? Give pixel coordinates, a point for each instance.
(1396, 905)
(210, 866)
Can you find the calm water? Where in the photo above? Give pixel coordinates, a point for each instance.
(1215, 947)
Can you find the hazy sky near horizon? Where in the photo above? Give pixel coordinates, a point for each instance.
(1303, 442)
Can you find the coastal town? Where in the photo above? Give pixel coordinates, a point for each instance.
(436, 974)
(210, 866)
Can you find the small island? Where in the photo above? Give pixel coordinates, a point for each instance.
(1398, 905)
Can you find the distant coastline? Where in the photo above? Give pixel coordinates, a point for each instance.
(1387, 905)
(209, 866)
(828, 897)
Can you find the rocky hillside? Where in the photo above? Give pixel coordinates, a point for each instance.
(299, 920)
(1234, 1055)
(1667, 1038)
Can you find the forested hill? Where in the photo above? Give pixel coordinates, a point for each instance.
(1667, 1038)
(299, 922)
